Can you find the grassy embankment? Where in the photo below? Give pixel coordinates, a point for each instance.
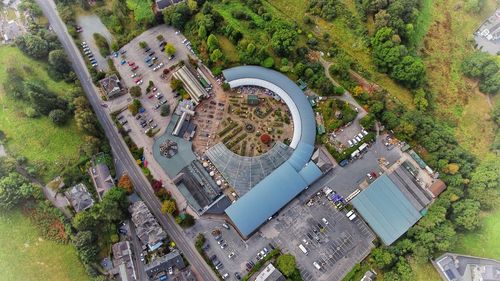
(458, 100)
(26, 256)
(38, 139)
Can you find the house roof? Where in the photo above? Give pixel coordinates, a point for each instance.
(172, 259)
(437, 187)
(386, 209)
(79, 197)
(148, 230)
(110, 84)
(102, 179)
(162, 4)
(297, 172)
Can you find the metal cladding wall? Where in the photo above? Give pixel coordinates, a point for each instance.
(292, 177)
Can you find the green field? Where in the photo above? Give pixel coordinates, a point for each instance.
(25, 256)
(486, 241)
(50, 147)
(142, 10)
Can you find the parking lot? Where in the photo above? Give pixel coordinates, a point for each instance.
(330, 239)
(130, 63)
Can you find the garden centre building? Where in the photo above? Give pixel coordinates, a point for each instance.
(287, 178)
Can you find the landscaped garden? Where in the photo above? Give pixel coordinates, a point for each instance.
(253, 122)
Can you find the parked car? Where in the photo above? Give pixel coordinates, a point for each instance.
(225, 226)
(237, 275)
(123, 62)
(325, 221)
(131, 63)
(135, 67)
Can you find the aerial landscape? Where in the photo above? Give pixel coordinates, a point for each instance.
(260, 140)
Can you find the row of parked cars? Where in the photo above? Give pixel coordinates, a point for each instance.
(86, 50)
(357, 138)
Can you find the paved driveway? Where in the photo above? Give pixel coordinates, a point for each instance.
(92, 24)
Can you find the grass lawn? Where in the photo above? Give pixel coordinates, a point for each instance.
(25, 256)
(142, 10)
(484, 242)
(10, 13)
(443, 49)
(37, 139)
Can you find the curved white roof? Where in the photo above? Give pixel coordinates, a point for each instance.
(295, 174)
(304, 124)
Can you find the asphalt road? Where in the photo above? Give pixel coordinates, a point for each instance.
(121, 150)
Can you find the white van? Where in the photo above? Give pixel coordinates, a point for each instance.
(316, 264)
(360, 135)
(349, 213)
(184, 41)
(353, 216)
(354, 141)
(358, 139)
(349, 142)
(303, 249)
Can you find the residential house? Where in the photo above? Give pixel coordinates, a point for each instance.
(101, 178)
(123, 262)
(148, 230)
(163, 263)
(79, 197)
(111, 86)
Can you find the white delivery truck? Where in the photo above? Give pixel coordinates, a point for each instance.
(316, 264)
(303, 249)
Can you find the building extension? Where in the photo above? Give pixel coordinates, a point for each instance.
(191, 84)
(294, 175)
(392, 204)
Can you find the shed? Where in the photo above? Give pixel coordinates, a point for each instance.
(437, 188)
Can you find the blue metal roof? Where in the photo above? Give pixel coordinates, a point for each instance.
(293, 176)
(385, 208)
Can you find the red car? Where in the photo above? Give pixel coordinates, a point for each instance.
(135, 67)
(131, 63)
(137, 79)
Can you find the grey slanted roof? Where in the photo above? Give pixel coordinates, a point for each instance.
(386, 209)
(79, 197)
(294, 175)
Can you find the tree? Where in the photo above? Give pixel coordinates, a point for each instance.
(160, 38)
(466, 214)
(13, 189)
(165, 110)
(169, 49)
(491, 84)
(33, 45)
(212, 42)
(58, 117)
(420, 101)
(85, 221)
(410, 71)
(135, 91)
(169, 206)
(284, 39)
(286, 264)
(175, 84)
(59, 61)
(479, 64)
(113, 206)
(216, 55)
(86, 246)
(177, 15)
(382, 257)
(125, 183)
(87, 122)
(185, 220)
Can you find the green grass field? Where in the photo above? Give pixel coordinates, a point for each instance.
(142, 10)
(37, 139)
(25, 256)
(486, 241)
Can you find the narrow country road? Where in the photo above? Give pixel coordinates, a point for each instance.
(142, 186)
